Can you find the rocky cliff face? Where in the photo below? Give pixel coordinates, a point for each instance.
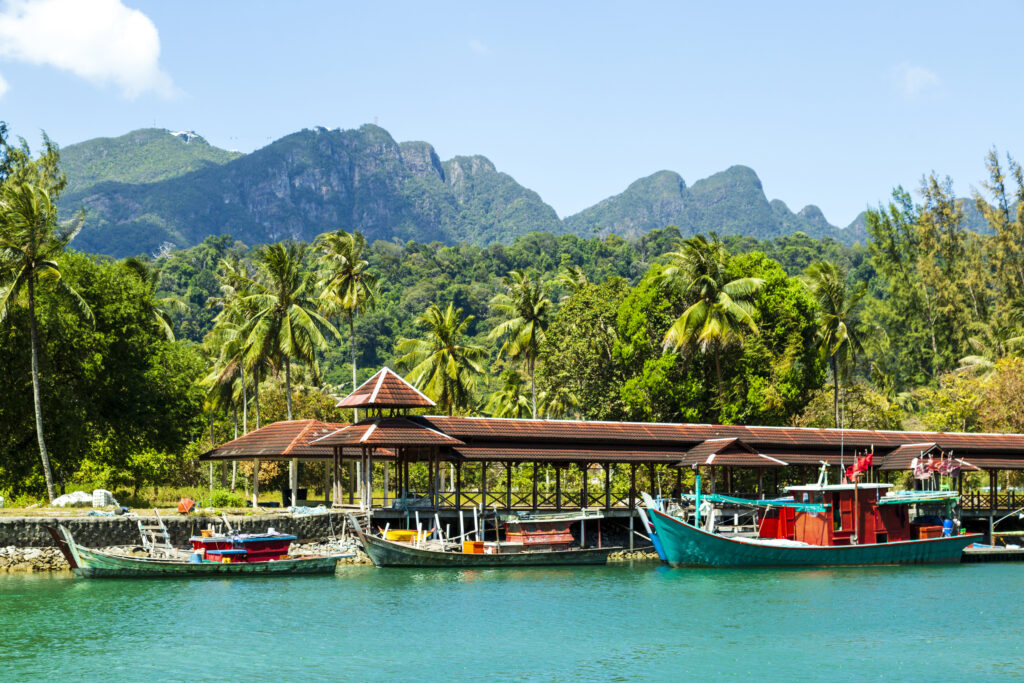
(138, 197)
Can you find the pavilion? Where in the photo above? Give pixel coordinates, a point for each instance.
(390, 439)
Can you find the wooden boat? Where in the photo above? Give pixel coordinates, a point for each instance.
(837, 525)
(91, 564)
(531, 541)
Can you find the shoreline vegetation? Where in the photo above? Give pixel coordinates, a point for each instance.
(122, 372)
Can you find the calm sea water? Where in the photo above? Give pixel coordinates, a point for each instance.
(618, 623)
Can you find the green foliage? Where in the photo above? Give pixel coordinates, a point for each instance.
(110, 389)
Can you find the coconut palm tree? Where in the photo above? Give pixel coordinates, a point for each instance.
(722, 309)
(837, 323)
(347, 287)
(285, 325)
(991, 342)
(527, 310)
(31, 240)
(442, 365)
(509, 400)
(161, 307)
(571, 279)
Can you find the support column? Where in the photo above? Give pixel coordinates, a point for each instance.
(558, 487)
(508, 485)
(369, 479)
(650, 472)
(534, 486)
(458, 486)
(387, 482)
(336, 496)
(351, 481)
(632, 499)
(607, 487)
(583, 487)
(483, 484)
(256, 483)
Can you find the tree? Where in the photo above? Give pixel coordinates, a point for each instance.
(441, 364)
(838, 320)
(162, 307)
(285, 324)
(509, 400)
(721, 310)
(346, 283)
(526, 309)
(31, 240)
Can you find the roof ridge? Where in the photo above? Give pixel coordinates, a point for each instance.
(295, 441)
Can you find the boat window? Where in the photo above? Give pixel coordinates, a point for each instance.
(819, 497)
(837, 518)
(881, 538)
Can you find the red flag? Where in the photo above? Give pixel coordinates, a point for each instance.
(859, 467)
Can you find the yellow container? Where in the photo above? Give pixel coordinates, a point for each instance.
(206, 533)
(473, 547)
(401, 535)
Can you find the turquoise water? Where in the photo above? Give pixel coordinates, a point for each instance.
(631, 622)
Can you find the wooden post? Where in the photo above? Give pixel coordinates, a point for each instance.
(607, 496)
(368, 478)
(351, 481)
(387, 482)
(534, 486)
(650, 472)
(583, 489)
(483, 484)
(336, 498)
(679, 479)
(632, 499)
(458, 489)
(508, 484)
(558, 487)
(256, 483)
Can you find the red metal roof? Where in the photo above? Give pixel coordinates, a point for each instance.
(386, 390)
(764, 439)
(727, 451)
(284, 439)
(901, 457)
(387, 431)
(518, 452)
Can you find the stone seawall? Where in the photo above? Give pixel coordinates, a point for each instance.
(100, 532)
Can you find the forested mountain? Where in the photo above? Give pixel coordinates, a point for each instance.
(142, 156)
(311, 182)
(730, 203)
(149, 188)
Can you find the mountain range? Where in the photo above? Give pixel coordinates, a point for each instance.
(155, 188)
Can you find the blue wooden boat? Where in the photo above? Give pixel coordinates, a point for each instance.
(688, 546)
(821, 525)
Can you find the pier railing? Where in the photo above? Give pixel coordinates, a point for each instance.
(983, 501)
(523, 500)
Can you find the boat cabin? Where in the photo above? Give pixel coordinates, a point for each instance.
(242, 547)
(848, 513)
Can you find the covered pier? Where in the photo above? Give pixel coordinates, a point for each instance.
(400, 462)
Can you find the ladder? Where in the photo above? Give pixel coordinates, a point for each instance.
(155, 537)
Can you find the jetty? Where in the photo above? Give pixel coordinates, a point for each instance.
(482, 462)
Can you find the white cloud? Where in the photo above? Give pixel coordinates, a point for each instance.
(101, 41)
(911, 79)
(478, 47)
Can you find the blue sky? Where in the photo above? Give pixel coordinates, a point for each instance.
(830, 104)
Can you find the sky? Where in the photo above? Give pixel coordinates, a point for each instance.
(832, 104)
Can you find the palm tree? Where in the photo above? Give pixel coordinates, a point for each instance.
(571, 279)
(991, 342)
(285, 324)
(559, 401)
(526, 308)
(346, 284)
(509, 400)
(31, 240)
(722, 309)
(837, 323)
(443, 367)
(161, 307)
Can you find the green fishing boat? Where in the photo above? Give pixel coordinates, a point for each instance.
(93, 564)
